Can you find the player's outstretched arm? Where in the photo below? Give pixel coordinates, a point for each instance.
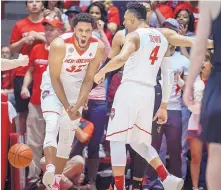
(7, 64)
(55, 60)
(89, 77)
(176, 39)
(130, 46)
(168, 78)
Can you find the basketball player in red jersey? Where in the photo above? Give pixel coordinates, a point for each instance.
(74, 59)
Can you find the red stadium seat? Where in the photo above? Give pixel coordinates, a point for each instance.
(4, 139)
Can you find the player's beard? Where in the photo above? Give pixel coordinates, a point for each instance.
(79, 44)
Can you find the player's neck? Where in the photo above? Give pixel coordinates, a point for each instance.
(35, 17)
(143, 24)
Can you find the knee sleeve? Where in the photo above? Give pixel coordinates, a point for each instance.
(66, 136)
(147, 152)
(51, 131)
(118, 153)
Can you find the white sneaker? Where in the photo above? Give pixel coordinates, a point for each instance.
(49, 179)
(173, 183)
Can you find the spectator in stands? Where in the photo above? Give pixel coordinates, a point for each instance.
(186, 21)
(97, 10)
(194, 128)
(53, 9)
(7, 76)
(192, 6)
(113, 16)
(69, 15)
(25, 34)
(35, 121)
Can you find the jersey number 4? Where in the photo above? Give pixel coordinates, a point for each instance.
(153, 56)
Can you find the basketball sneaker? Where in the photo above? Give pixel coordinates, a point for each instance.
(49, 180)
(173, 183)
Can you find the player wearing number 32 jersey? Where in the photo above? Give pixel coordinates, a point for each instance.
(73, 59)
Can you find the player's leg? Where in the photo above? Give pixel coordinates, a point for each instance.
(50, 147)
(51, 108)
(144, 148)
(118, 162)
(66, 138)
(173, 132)
(214, 166)
(157, 134)
(122, 118)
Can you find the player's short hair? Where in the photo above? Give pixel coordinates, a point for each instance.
(83, 17)
(138, 9)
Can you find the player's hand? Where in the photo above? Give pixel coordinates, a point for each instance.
(99, 77)
(25, 94)
(73, 112)
(161, 116)
(188, 96)
(23, 60)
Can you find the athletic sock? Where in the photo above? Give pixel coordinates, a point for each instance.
(162, 172)
(119, 182)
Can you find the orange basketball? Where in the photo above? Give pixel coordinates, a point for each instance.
(20, 155)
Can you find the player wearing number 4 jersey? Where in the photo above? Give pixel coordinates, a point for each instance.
(143, 53)
(73, 58)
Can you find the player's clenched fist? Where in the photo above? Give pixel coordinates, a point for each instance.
(99, 77)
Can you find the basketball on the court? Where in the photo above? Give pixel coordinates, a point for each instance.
(20, 155)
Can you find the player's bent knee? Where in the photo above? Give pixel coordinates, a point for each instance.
(118, 153)
(51, 131)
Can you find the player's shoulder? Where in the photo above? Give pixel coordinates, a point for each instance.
(57, 43)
